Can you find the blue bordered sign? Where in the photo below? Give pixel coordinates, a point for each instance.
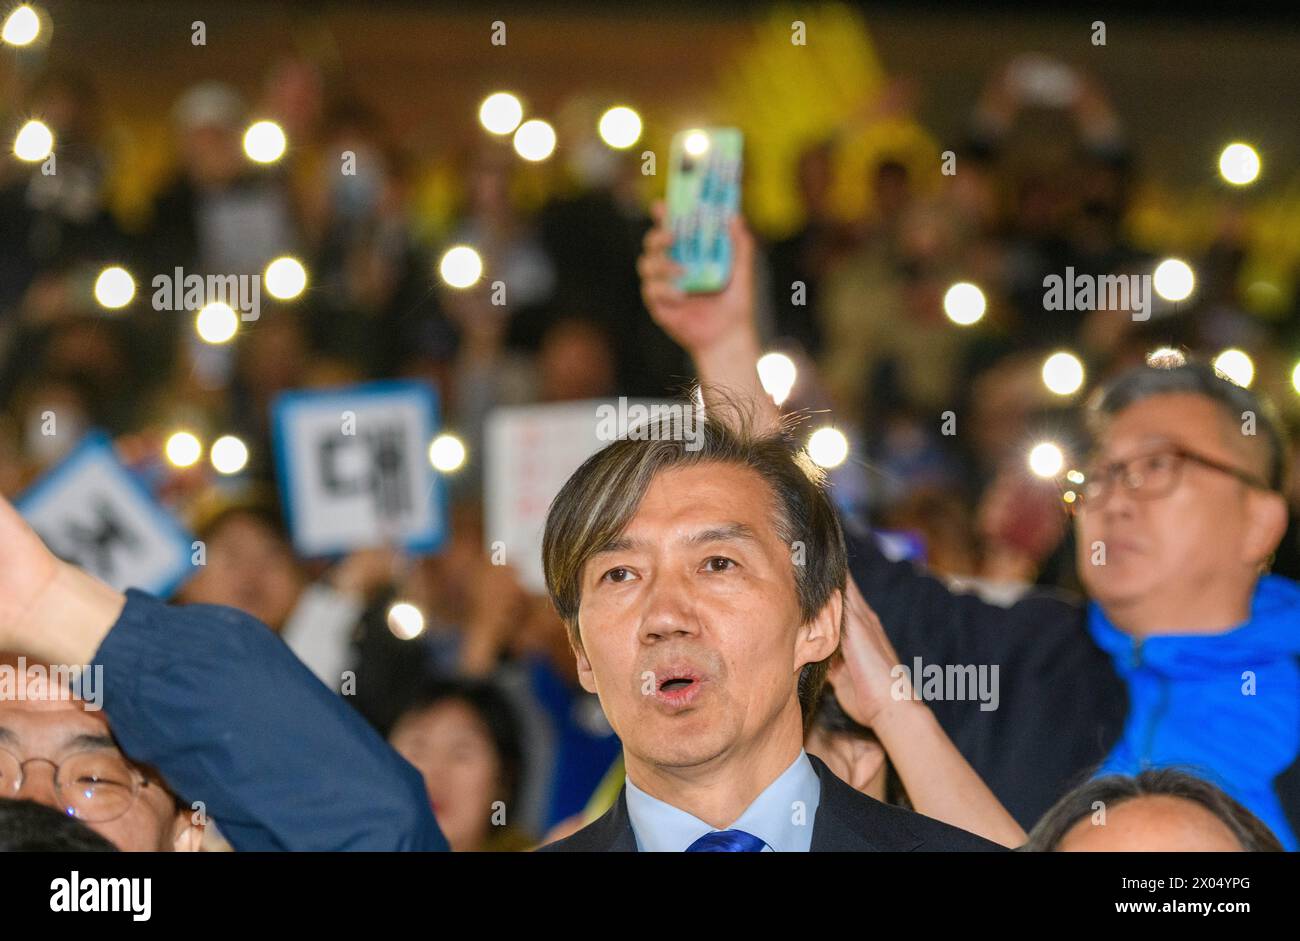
(95, 513)
(354, 471)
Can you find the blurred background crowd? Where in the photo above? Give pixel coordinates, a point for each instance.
(874, 188)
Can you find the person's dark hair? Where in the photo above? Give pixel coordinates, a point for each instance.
(29, 827)
(1115, 789)
(596, 504)
(1175, 374)
(832, 719)
(261, 508)
(496, 713)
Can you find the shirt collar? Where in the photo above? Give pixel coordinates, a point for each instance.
(781, 816)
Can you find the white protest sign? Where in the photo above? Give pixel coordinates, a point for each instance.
(354, 469)
(530, 451)
(95, 513)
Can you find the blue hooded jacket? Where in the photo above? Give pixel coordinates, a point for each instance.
(1224, 706)
(1076, 694)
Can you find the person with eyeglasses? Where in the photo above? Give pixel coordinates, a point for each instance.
(1186, 652)
(58, 751)
(206, 715)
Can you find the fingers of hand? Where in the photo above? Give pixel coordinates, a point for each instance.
(657, 238)
(657, 267)
(662, 296)
(659, 276)
(743, 240)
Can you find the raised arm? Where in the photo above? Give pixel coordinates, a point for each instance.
(939, 781)
(220, 707)
(717, 330)
(922, 617)
(920, 614)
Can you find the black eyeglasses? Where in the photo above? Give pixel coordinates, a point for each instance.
(1147, 476)
(95, 786)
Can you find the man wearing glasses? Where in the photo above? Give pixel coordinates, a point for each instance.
(57, 752)
(1187, 653)
(211, 699)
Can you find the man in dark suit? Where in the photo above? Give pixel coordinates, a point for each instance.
(700, 570)
(848, 821)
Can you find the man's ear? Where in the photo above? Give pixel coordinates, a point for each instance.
(1266, 525)
(187, 832)
(586, 677)
(820, 637)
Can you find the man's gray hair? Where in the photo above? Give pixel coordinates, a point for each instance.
(1196, 378)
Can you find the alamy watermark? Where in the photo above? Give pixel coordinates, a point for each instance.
(953, 682)
(654, 421)
(77, 893)
(1127, 292)
(242, 293)
(38, 682)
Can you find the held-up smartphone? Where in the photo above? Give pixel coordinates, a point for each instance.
(703, 196)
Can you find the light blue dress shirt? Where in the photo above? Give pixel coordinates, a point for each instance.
(782, 816)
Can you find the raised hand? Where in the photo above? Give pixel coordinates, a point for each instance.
(863, 676)
(698, 322)
(26, 569)
(497, 610)
(366, 572)
(717, 330)
(938, 780)
(48, 608)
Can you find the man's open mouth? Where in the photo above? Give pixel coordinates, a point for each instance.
(678, 687)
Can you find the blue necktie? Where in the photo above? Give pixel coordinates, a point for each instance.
(727, 841)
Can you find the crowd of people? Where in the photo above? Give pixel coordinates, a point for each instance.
(513, 725)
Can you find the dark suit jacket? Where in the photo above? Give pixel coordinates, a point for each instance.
(847, 821)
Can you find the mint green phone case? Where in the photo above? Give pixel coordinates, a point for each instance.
(703, 196)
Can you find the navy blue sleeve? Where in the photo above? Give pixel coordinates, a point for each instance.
(925, 618)
(229, 716)
(1027, 642)
(1059, 705)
